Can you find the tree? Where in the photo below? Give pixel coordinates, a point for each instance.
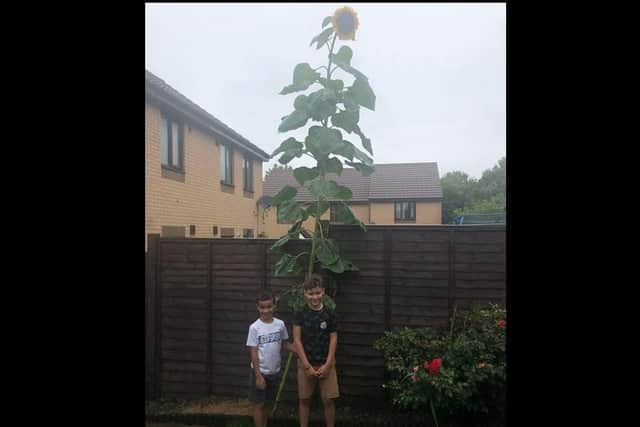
(457, 192)
(278, 168)
(493, 181)
(463, 194)
(495, 204)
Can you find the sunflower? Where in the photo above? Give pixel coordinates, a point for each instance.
(345, 23)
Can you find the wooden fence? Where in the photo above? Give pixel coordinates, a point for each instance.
(200, 301)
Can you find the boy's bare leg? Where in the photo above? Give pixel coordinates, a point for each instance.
(303, 407)
(329, 412)
(266, 410)
(258, 415)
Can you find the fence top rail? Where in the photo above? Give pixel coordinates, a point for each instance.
(370, 227)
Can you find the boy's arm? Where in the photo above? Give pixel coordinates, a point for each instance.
(333, 344)
(297, 342)
(253, 353)
(331, 355)
(289, 346)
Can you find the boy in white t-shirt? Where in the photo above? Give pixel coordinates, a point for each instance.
(266, 337)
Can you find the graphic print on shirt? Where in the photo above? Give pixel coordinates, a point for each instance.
(273, 337)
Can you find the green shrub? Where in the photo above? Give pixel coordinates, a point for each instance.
(459, 373)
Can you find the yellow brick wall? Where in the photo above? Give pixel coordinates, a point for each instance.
(198, 200)
(429, 213)
(426, 213)
(361, 212)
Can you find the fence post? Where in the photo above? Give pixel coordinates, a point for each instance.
(452, 274)
(154, 302)
(209, 351)
(387, 279)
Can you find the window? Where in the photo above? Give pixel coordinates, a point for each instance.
(172, 231)
(247, 175)
(405, 211)
(192, 230)
(171, 144)
(247, 233)
(226, 165)
(227, 232)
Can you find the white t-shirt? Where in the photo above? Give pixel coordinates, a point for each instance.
(268, 338)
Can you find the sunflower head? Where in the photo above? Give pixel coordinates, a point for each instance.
(345, 23)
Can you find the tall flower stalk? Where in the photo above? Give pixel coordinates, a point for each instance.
(336, 108)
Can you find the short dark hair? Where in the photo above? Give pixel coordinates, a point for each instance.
(264, 296)
(313, 281)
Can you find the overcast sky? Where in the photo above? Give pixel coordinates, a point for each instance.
(438, 72)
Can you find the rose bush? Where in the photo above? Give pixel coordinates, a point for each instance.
(459, 372)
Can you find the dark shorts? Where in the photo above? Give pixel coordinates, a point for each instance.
(267, 395)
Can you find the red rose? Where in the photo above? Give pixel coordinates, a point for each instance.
(434, 365)
(502, 323)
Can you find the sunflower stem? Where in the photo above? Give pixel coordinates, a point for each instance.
(333, 43)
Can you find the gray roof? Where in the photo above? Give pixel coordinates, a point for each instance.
(389, 181)
(158, 89)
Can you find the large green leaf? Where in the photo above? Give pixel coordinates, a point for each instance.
(346, 149)
(288, 144)
(303, 77)
(322, 104)
(322, 141)
(326, 21)
(366, 142)
(347, 120)
(339, 192)
(363, 93)
(349, 101)
(285, 265)
(317, 208)
(326, 251)
(304, 174)
(322, 38)
(284, 239)
(336, 267)
(291, 211)
(343, 56)
(346, 215)
(287, 193)
(365, 170)
(292, 233)
(350, 151)
(320, 189)
(301, 102)
(329, 190)
(295, 120)
(333, 165)
(343, 60)
(334, 84)
(289, 155)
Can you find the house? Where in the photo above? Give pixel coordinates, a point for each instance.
(202, 178)
(399, 193)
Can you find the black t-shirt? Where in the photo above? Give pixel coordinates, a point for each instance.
(315, 327)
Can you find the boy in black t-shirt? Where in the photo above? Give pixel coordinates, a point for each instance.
(316, 338)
